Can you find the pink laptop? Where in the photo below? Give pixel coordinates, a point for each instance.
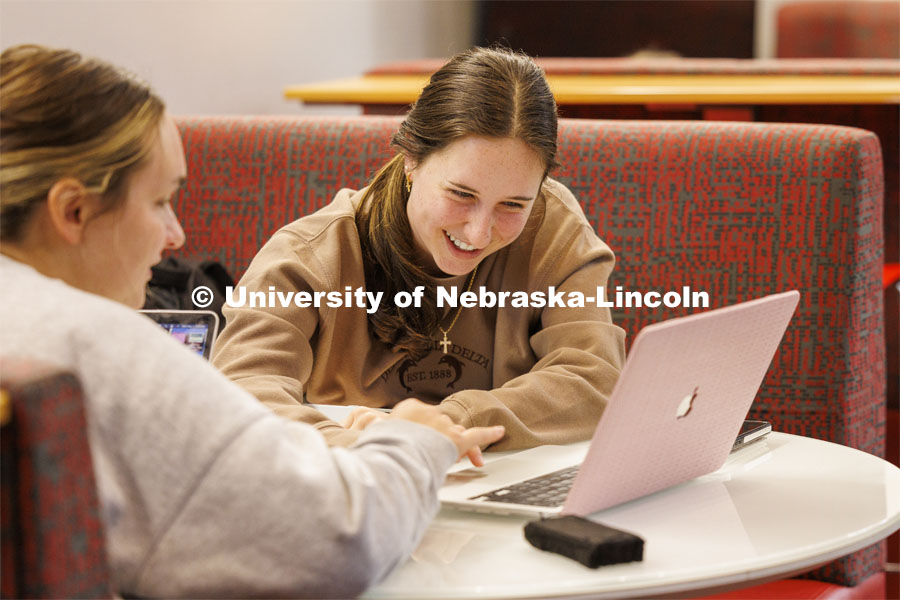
(674, 414)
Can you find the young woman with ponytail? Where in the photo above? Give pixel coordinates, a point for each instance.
(466, 203)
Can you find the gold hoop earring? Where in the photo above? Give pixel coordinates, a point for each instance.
(408, 183)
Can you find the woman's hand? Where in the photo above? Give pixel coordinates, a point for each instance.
(468, 441)
(363, 416)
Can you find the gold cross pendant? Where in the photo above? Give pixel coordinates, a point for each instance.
(445, 343)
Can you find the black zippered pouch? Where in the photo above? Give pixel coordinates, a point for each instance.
(590, 543)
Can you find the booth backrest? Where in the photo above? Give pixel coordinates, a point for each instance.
(737, 210)
(839, 29)
(53, 541)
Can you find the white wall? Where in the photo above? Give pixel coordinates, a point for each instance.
(764, 33)
(236, 56)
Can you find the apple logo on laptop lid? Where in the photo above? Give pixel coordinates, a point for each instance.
(686, 404)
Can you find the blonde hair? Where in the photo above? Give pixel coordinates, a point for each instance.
(63, 115)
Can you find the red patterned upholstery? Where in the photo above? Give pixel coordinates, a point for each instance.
(804, 589)
(53, 539)
(839, 29)
(738, 210)
(249, 176)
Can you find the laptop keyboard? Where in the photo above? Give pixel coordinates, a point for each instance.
(547, 490)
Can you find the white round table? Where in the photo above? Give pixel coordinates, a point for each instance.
(778, 507)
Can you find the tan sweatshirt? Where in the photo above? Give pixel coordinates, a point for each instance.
(545, 372)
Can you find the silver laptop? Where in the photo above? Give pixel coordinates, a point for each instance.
(674, 415)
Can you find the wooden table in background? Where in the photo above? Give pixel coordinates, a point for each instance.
(385, 94)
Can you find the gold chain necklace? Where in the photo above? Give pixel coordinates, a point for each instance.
(446, 342)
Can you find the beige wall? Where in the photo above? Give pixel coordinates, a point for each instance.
(236, 56)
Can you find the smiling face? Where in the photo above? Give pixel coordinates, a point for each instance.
(121, 245)
(470, 199)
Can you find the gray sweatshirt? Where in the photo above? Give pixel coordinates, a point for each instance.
(205, 492)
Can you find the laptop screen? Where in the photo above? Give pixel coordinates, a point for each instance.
(195, 329)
